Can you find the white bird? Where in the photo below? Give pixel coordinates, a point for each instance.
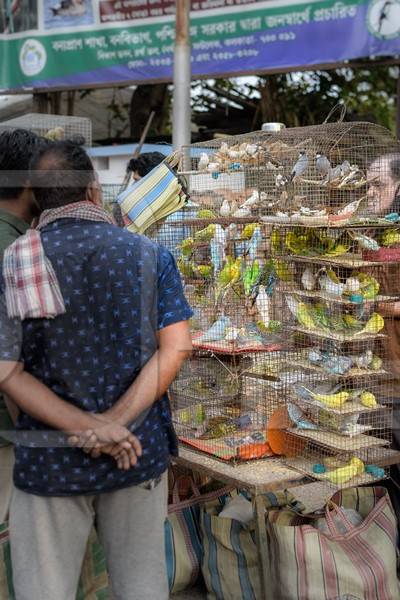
(224, 149)
(252, 200)
(292, 305)
(308, 279)
(203, 162)
(251, 149)
(233, 154)
(263, 304)
(301, 166)
(242, 212)
(225, 209)
(213, 167)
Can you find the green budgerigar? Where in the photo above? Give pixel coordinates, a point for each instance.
(250, 277)
(205, 235)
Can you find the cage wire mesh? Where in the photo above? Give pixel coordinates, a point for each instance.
(63, 127)
(290, 253)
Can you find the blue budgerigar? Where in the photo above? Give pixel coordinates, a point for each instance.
(217, 330)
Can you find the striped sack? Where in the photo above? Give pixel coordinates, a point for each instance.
(183, 545)
(230, 562)
(93, 584)
(151, 199)
(310, 565)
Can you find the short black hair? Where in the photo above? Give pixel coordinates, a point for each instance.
(145, 163)
(17, 147)
(61, 174)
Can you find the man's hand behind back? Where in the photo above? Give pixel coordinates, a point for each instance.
(109, 438)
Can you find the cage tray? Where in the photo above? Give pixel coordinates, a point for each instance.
(353, 373)
(340, 300)
(224, 347)
(348, 408)
(220, 449)
(347, 261)
(339, 442)
(305, 466)
(339, 337)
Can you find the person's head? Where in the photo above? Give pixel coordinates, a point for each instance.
(143, 164)
(63, 174)
(17, 147)
(384, 187)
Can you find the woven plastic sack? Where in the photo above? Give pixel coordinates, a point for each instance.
(310, 565)
(183, 546)
(230, 563)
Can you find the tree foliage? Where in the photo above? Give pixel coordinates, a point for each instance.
(296, 99)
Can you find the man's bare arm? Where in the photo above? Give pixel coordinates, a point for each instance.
(38, 401)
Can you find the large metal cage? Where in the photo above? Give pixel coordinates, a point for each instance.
(68, 127)
(290, 257)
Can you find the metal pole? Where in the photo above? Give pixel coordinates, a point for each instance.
(181, 116)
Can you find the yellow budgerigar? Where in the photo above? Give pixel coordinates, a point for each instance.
(186, 247)
(332, 400)
(205, 271)
(206, 213)
(374, 324)
(342, 475)
(304, 317)
(205, 235)
(248, 231)
(368, 399)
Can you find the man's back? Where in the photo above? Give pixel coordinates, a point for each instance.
(118, 290)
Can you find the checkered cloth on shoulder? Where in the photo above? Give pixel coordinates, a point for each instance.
(32, 290)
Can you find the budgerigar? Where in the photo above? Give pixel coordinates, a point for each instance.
(298, 417)
(205, 235)
(248, 231)
(308, 279)
(254, 244)
(342, 475)
(263, 304)
(217, 330)
(250, 277)
(374, 324)
(304, 316)
(186, 247)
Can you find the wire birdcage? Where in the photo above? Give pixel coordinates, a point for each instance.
(64, 126)
(290, 257)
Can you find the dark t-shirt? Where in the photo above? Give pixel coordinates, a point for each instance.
(11, 227)
(119, 289)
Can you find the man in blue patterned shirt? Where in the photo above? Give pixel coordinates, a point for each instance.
(99, 370)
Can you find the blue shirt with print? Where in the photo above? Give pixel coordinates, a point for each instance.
(119, 289)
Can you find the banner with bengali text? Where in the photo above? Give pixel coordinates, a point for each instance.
(82, 43)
